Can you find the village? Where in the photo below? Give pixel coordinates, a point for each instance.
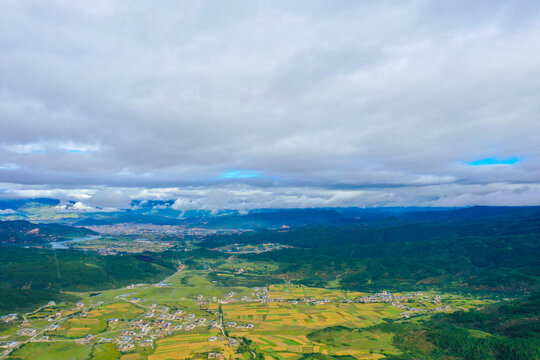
(251, 249)
(159, 321)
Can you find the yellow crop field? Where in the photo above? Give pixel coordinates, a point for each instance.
(359, 354)
(285, 343)
(286, 355)
(117, 306)
(79, 331)
(119, 309)
(133, 356)
(87, 321)
(299, 292)
(280, 327)
(273, 316)
(186, 345)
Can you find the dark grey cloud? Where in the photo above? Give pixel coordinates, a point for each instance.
(349, 103)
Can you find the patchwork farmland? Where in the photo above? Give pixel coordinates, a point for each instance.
(192, 315)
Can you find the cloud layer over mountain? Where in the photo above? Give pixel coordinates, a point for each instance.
(271, 103)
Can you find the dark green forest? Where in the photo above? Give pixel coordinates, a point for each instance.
(498, 254)
(31, 277)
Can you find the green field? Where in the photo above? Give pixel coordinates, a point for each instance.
(279, 321)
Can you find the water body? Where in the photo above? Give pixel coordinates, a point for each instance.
(62, 244)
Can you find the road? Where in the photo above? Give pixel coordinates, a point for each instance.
(41, 331)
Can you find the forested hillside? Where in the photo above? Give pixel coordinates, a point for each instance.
(29, 277)
(499, 253)
(21, 232)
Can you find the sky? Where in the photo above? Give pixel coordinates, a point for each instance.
(256, 104)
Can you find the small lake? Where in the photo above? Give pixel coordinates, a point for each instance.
(62, 244)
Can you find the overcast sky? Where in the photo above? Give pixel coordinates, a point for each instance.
(250, 104)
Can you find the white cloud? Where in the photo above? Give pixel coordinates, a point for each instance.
(7, 211)
(79, 206)
(25, 148)
(118, 100)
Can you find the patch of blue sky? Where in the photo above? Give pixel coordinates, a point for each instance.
(495, 161)
(240, 174)
(8, 166)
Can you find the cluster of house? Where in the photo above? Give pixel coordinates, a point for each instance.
(85, 340)
(386, 297)
(54, 317)
(10, 317)
(247, 249)
(109, 250)
(159, 322)
(240, 326)
(8, 344)
(261, 293)
(26, 329)
(215, 355)
(137, 229)
(27, 332)
(232, 341)
(396, 301)
(126, 347)
(142, 333)
(129, 339)
(133, 286)
(310, 300)
(227, 299)
(443, 308)
(52, 327)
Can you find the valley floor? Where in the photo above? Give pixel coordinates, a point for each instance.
(191, 315)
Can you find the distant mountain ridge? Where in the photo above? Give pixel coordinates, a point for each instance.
(276, 218)
(15, 204)
(163, 212)
(473, 213)
(265, 219)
